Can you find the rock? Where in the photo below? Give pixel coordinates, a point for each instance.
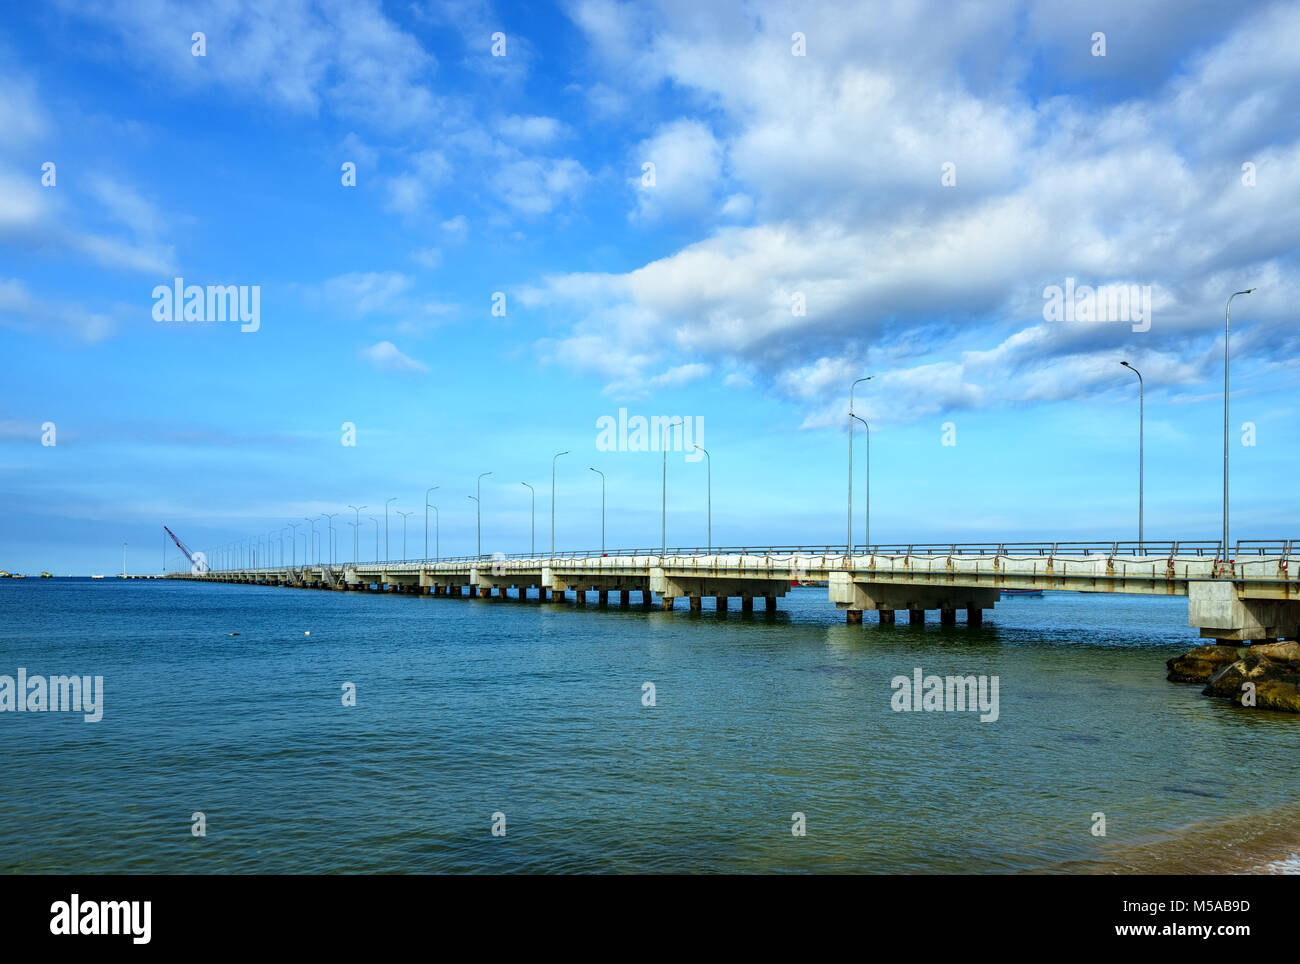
(1287, 651)
(1277, 684)
(1279, 695)
(1200, 665)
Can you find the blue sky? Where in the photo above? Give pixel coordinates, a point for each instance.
(778, 179)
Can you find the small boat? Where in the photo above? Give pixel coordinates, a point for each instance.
(5, 574)
(97, 577)
(1022, 592)
(18, 575)
(46, 575)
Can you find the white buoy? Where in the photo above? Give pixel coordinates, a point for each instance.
(307, 633)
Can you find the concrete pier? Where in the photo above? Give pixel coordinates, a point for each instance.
(1253, 597)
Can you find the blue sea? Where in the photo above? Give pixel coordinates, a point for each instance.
(228, 701)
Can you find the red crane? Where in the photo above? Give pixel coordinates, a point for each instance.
(180, 545)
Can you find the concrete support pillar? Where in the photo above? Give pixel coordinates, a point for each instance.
(746, 604)
(974, 616)
(483, 592)
(543, 594)
(854, 617)
(624, 599)
(770, 604)
(720, 603)
(665, 602)
(603, 597)
(647, 598)
(557, 595)
(916, 616)
(580, 597)
(948, 617)
(697, 603)
(886, 617)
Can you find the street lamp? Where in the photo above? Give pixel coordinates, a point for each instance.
(376, 522)
(866, 531)
(437, 528)
(553, 458)
(386, 555)
(404, 515)
(532, 542)
(663, 518)
(426, 520)
(478, 483)
(356, 528)
(124, 560)
(313, 533)
(476, 511)
(1227, 315)
(1141, 430)
(709, 465)
(602, 508)
(294, 527)
(849, 547)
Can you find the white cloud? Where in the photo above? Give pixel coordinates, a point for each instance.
(687, 162)
(386, 357)
(538, 186)
(836, 158)
(347, 56)
(22, 311)
(531, 131)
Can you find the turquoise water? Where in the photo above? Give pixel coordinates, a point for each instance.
(467, 707)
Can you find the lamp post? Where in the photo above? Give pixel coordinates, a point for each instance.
(849, 546)
(532, 541)
(1227, 316)
(602, 508)
(476, 510)
(426, 520)
(356, 528)
(294, 527)
(376, 522)
(404, 515)
(663, 516)
(386, 556)
(866, 531)
(1141, 432)
(313, 534)
(553, 458)
(124, 560)
(709, 490)
(437, 529)
(478, 483)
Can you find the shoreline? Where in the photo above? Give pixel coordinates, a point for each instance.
(1262, 842)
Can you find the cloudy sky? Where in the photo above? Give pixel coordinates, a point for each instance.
(720, 212)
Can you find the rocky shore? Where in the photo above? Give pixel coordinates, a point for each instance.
(1264, 677)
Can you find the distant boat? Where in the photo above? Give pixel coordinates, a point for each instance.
(5, 575)
(46, 575)
(97, 577)
(1022, 592)
(18, 575)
